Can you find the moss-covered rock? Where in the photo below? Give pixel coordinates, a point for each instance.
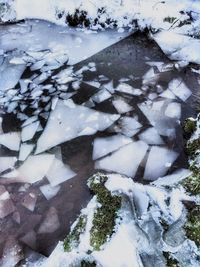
(72, 240)
(106, 214)
(189, 127)
(192, 183)
(192, 227)
(193, 148)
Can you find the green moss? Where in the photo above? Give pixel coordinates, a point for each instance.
(106, 214)
(192, 227)
(88, 264)
(171, 262)
(72, 240)
(189, 126)
(193, 148)
(192, 183)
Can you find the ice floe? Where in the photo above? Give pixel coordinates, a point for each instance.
(33, 169)
(151, 137)
(126, 160)
(68, 120)
(59, 173)
(50, 223)
(160, 159)
(11, 140)
(49, 191)
(7, 163)
(106, 145)
(29, 131)
(25, 150)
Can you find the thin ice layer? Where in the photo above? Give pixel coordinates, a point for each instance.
(106, 145)
(160, 159)
(68, 120)
(126, 160)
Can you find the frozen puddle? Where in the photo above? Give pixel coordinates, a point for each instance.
(117, 111)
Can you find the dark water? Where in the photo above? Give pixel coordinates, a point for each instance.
(125, 59)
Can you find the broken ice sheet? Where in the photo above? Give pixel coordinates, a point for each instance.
(29, 131)
(126, 160)
(128, 89)
(29, 201)
(129, 126)
(10, 75)
(68, 120)
(173, 178)
(25, 150)
(151, 137)
(121, 105)
(173, 110)
(59, 172)
(32, 170)
(6, 205)
(50, 223)
(179, 88)
(106, 145)
(49, 191)
(29, 239)
(160, 159)
(11, 140)
(12, 253)
(7, 163)
(101, 96)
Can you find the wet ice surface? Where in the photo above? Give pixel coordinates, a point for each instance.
(118, 111)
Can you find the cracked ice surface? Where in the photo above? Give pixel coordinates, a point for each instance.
(71, 121)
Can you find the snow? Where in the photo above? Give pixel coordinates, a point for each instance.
(69, 121)
(105, 145)
(33, 169)
(178, 46)
(59, 173)
(127, 253)
(11, 140)
(158, 162)
(126, 160)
